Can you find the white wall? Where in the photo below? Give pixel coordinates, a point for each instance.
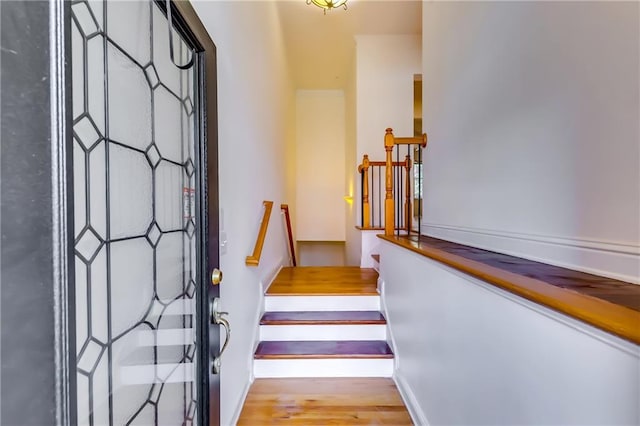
(370, 245)
(532, 111)
(290, 162)
(532, 114)
(469, 353)
(321, 253)
(320, 153)
(385, 66)
(255, 109)
(352, 177)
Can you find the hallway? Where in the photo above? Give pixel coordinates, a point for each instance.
(145, 143)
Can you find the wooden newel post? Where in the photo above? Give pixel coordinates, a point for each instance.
(389, 218)
(407, 201)
(366, 208)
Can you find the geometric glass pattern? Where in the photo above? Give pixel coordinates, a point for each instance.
(154, 234)
(189, 167)
(85, 19)
(190, 228)
(188, 106)
(134, 166)
(87, 245)
(87, 132)
(89, 356)
(153, 155)
(152, 76)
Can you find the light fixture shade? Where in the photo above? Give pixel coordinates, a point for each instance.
(328, 4)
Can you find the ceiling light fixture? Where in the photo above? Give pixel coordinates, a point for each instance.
(329, 4)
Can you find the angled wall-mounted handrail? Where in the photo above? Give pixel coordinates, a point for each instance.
(254, 259)
(287, 218)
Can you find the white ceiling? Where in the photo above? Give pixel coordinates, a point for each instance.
(320, 48)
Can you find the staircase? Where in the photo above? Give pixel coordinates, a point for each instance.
(323, 322)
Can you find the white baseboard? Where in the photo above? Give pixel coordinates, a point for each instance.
(268, 279)
(390, 338)
(256, 333)
(615, 260)
(238, 410)
(410, 401)
(263, 285)
(408, 397)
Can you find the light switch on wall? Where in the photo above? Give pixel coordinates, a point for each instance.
(223, 243)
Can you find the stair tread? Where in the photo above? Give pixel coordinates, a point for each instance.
(323, 349)
(323, 317)
(376, 257)
(320, 281)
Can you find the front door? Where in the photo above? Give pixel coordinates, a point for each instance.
(145, 214)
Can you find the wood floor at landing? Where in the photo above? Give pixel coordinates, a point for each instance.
(315, 401)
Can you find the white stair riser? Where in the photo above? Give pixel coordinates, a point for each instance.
(328, 367)
(147, 374)
(171, 337)
(323, 332)
(321, 303)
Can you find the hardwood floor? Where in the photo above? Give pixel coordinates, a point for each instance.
(373, 401)
(325, 281)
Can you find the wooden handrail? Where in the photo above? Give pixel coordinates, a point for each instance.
(362, 167)
(254, 259)
(285, 210)
(383, 163)
(418, 140)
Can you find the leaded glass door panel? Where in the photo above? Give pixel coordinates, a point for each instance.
(141, 238)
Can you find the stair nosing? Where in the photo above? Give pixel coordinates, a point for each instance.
(336, 321)
(316, 355)
(333, 294)
(323, 322)
(323, 356)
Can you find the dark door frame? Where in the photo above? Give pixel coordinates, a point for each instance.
(188, 21)
(37, 334)
(35, 343)
(36, 348)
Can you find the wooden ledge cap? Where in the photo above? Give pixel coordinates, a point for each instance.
(619, 320)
